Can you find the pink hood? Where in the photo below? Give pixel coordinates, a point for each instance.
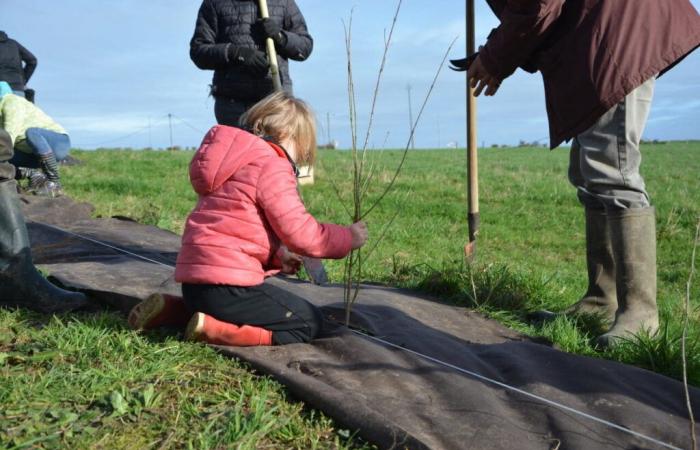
(248, 206)
(223, 151)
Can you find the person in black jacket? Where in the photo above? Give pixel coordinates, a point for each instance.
(229, 38)
(12, 70)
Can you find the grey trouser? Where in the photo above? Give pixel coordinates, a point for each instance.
(605, 159)
(7, 170)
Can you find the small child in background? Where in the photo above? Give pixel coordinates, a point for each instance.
(41, 143)
(249, 224)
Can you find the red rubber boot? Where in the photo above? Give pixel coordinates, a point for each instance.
(159, 310)
(204, 328)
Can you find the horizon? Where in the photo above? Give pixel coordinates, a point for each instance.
(110, 87)
(494, 146)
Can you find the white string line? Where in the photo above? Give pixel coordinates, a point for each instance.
(95, 241)
(520, 391)
(430, 358)
(128, 135)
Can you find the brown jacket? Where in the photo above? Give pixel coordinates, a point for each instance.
(591, 53)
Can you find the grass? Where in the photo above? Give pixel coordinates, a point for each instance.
(86, 381)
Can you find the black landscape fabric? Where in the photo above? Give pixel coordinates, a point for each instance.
(392, 397)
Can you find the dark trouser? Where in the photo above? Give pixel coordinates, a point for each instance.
(228, 111)
(290, 318)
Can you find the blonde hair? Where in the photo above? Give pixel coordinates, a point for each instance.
(282, 116)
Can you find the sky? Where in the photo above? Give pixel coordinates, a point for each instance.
(112, 71)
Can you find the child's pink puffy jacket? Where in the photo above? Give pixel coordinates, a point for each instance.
(248, 204)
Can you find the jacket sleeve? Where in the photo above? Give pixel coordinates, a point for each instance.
(29, 62)
(297, 229)
(524, 25)
(205, 52)
(299, 42)
(13, 117)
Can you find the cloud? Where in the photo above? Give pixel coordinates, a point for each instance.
(106, 124)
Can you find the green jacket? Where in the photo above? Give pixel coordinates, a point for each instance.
(17, 115)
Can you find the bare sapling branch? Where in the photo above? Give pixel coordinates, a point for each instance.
(382, 234)
(352, 260)
(375, 95)
(372, 171)
(364, 170)
(336, 189)
(413, 130)
(353, 263)
(684, 338)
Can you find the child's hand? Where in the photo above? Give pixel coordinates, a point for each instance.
(291, 262)
(359, 234)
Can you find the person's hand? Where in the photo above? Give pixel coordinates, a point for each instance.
(291, 262)
(273, 30)
(359, 234)
(480, 79)
(254, 60)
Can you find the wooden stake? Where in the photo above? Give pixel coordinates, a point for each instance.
(472, 157)
(271, 52)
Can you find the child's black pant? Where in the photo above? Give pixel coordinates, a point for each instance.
(290, 318)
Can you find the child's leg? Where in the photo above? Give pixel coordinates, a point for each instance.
(290, 318)
(159, 310)
(205, 328)
(38, 139)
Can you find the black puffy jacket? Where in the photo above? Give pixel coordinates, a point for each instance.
(11, 56)
(223, 23)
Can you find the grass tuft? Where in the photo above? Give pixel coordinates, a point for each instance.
(661, 352)
(491, 287)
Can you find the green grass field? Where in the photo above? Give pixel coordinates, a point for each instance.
(87, 381)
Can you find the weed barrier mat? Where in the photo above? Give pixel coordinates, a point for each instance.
(392, 396)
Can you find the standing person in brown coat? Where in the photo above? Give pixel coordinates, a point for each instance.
(599, 60)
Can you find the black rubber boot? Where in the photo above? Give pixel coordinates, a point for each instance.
(633, 233)
(20, 283)
(600, 297)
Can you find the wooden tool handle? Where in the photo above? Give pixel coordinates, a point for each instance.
(271, 52)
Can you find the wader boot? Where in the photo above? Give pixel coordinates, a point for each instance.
(52, 186)
(633, 234)
(21, 284)
(600, 297)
